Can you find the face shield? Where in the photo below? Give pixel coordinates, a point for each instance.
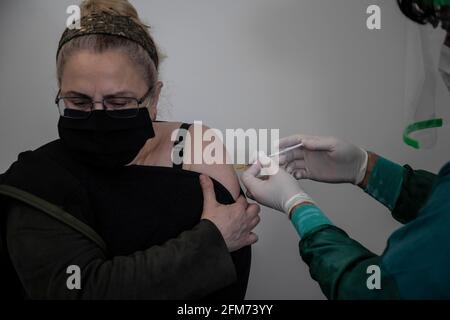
(421, 81)
(422, 65)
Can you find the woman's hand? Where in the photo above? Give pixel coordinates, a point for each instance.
(235, 222)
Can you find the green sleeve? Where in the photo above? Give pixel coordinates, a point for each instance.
(401, 189)
(340, 266)
(41, 249)
(338, 263)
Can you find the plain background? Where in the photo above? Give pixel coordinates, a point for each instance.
(302, 66)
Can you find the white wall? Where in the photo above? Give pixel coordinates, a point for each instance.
(303, 66)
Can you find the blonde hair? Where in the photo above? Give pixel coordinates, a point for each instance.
(115, 7)
(99, 42)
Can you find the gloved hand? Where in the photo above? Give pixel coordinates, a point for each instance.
(280, 191)
(324, 159)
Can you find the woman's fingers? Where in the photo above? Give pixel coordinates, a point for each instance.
(254, 222)
(251, 239)
(253, 210)
(241, 203)
(209, 195)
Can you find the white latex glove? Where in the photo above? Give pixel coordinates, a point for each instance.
(324, 159)
(280, 191)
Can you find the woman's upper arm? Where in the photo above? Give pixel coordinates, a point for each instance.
(222, 172)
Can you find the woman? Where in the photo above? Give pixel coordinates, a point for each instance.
(106, 199)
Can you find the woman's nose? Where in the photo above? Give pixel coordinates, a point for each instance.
(97, 105)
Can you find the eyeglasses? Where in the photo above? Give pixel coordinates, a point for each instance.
(116, 107)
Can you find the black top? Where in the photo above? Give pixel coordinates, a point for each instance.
(133, 208)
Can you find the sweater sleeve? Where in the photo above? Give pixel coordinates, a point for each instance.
(43, 249)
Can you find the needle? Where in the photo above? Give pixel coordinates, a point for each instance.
(286, 150)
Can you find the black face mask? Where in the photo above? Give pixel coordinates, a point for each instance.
(106, 142)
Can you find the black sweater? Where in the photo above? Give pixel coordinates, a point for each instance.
(147, 218)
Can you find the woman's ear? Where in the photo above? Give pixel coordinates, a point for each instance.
(153, 106)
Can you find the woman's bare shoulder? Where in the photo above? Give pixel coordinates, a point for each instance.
(193, 150)
(220, 171)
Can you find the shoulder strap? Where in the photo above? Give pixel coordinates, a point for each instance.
(55, 212)
(178, 145)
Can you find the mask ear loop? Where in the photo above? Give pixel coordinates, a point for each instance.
(425, 100)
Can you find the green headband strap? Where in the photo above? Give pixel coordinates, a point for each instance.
(418, 126)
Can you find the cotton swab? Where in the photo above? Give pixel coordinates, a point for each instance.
(243, 167)
(286, 150)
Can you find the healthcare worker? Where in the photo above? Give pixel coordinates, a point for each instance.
(416, 262)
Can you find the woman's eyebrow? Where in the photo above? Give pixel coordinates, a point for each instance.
(74, 93)
(124, 93)
(121, 94)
